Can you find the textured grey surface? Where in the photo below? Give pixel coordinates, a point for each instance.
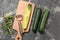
(53, 24)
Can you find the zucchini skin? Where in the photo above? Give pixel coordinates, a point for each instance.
(36, 20)
(43, 21)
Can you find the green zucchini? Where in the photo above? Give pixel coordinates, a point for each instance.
(43, 21)
(36, 19)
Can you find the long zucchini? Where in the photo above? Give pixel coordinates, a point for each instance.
(43, 21)
(36, 19)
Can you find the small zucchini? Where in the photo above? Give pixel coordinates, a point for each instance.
(43, 21)
(36, 19)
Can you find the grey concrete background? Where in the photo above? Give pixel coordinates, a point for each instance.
(53, 24)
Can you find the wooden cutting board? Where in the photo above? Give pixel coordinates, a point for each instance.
(21, 11)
